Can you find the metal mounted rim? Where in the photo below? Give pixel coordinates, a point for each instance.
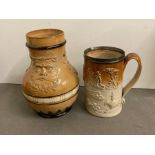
(46, 47)
(99, 60)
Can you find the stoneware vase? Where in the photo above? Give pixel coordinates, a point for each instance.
(50, 84)
(103, 77)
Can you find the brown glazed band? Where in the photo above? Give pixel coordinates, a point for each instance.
(109, 61)
(46, 47)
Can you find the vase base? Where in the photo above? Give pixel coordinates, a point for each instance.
(54, 115)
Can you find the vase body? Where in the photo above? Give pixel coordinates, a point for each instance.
(50, 84)
(103, 78)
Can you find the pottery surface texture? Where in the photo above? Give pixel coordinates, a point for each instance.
(50, 84)
(103, 78)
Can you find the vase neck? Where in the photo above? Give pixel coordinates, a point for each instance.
(48, 58)
(56, 53)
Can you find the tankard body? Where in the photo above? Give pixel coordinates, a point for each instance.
(103, 79)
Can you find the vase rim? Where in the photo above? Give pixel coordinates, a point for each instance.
(45, 38)
(44, 33)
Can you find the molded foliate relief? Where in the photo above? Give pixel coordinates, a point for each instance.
(103, 96)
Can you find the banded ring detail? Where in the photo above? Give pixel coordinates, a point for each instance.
(54, 99)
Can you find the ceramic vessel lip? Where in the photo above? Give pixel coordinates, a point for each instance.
(47, 33)
(101, 60)
(45, 39)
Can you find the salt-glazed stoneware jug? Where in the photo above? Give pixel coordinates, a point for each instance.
(50, 84)
(103, 77)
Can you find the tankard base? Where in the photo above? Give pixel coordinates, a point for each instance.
(115, 111)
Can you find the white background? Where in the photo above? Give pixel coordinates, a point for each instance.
(130, 35)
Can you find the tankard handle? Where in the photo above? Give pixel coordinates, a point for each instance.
(130, 84)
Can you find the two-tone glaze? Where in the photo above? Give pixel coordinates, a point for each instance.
(103, 78)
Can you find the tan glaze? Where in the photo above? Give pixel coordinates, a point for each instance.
(129, 57)
(49, 75)
(53, 108)
(103, 77)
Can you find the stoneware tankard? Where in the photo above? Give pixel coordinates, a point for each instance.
(50, 84)
(103, 76)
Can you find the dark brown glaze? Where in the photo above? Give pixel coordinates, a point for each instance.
(105, 64)
(91, 67)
